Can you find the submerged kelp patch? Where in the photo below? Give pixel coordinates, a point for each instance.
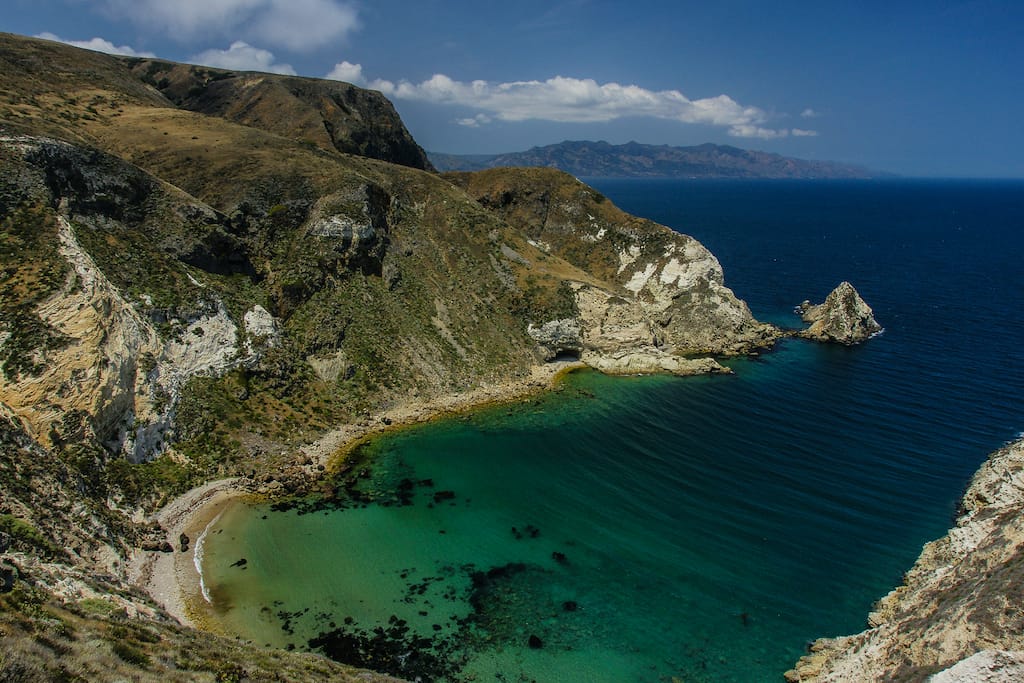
(503, 599)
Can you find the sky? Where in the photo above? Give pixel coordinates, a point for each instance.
(931, 88)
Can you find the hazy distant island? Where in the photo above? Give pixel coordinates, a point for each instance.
(584, 158)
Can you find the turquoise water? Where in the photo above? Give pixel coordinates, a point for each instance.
(639, 529)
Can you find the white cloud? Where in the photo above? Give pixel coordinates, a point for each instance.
(801, 133)
(98, 44)
(348, 72)
(809, 113)
(578, 100)
(242, 57)
(293, 24)
(751, 131)
(474, 121)
(304, 24)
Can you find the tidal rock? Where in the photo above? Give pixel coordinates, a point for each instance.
(157, 546)
(844, 317)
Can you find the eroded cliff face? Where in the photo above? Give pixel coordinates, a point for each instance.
(110, 375)
(962, 597)
(616, 335)
(662, 293)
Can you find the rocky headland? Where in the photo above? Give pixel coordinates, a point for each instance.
(216, 282)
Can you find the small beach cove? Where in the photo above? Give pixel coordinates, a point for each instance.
(174, 580)
(708, 527)
(633, 527)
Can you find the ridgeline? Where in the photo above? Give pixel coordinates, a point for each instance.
(635, 160)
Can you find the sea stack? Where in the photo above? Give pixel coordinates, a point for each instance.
(844, 317)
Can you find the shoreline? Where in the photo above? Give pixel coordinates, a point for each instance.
(945, 621)
(172, 579)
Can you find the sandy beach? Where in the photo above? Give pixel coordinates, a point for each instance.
(172, 579)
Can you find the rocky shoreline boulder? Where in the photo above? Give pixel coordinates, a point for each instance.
(844, 317)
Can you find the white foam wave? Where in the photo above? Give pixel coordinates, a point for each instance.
(197, 559)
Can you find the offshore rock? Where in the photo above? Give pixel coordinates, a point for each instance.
(844, 317)
(962, 597)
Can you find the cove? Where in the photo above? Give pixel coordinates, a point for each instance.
(639, 528)
(636, 529)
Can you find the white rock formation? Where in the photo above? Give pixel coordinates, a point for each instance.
(844, 317)
(987, 666)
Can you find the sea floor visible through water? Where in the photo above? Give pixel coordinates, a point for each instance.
(640, 529)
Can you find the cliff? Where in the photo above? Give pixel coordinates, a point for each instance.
(682, 303)
(327, 114)
(959, 608)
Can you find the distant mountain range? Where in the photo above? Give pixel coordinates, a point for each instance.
(635, 160)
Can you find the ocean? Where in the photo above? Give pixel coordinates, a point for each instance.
(661, 528)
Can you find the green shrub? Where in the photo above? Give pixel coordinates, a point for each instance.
(22, 531)
(131, 654)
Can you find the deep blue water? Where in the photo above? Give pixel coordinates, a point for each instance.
(703, 528)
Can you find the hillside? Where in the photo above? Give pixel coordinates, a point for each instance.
(635, 160)
(208, 274)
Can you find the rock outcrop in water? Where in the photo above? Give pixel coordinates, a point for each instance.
(960, 607)
(844, 317)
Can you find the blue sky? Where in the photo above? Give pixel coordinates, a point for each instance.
(918, 88)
